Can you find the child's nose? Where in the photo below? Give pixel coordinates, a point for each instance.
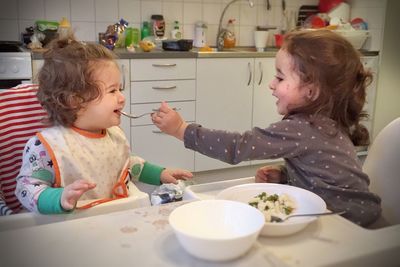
(271, 84)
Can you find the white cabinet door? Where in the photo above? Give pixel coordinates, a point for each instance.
(264, 104)
(223, 100)
(161, 149)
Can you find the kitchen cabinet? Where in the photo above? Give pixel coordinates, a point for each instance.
(233, 94)
(153, 81)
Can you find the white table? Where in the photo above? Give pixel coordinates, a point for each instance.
(143, 237)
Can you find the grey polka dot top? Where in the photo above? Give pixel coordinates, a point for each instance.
(318, 157)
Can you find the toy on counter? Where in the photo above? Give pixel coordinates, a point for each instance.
(114, 35)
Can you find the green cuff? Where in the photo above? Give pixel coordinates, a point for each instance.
(49, 201)
(151, 174)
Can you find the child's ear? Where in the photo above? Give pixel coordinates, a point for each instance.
(312, 93)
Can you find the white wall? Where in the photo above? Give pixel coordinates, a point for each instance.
(387, 106)
(89, 17)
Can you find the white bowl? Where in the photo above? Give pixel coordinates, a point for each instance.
(305, 201)
(216, 230)
(356, 37)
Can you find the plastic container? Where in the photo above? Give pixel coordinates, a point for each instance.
(158, 26)
(200, 34)
(229, 37)
(176, 33)
(132, 37)
(145, 30)
(64, 29)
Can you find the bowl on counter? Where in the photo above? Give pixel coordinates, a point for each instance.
(356, 37)
(304, 202)
(177, 45)
(216, 230)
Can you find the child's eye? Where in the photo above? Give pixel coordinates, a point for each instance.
(279, 78)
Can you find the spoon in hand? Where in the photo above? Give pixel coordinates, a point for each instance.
(278, 219)
(141, 115)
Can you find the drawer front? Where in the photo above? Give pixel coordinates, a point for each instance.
(161, 149)
(186, 109)
(163, 69)
(157, 91)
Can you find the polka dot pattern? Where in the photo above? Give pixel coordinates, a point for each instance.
(317, 155)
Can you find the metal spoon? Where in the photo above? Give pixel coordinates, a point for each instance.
(278, 219)
(141, 115)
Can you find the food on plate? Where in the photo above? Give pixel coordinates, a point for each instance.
(273, 205)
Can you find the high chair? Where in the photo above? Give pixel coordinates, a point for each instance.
(383, 167)
(20, 118)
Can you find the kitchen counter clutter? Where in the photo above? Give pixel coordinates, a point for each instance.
(143, 237)
(195, 53)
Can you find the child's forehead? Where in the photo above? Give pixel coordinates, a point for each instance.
(284, 61)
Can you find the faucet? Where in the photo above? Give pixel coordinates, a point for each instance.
(221, 32)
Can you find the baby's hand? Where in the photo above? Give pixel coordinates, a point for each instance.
(171, 176)
(73, 192)
(169, 121)
(269, 174)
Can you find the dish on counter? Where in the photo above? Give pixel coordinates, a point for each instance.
(305, 202)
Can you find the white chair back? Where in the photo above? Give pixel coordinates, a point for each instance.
(383, 167)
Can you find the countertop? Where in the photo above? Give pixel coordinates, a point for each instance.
(143, 237)
(239, 52)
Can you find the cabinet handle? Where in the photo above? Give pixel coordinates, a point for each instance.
(123, 76)
(164, 65)
(250, 74)
(157, 131)
(164, 87)
(261, 72)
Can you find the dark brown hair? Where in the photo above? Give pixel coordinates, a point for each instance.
(327, 62)
(66, 84)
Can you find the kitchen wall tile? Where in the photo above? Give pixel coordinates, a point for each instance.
(9, 9)
(211, 35)
(9, 30)
(375, 17)
(85, 30)
(130, 11)
(367, 3)
(246, 36)
(83, 10)
(101, 27)
(150, 8)
(57, 9)
(211, 13)
(172, 11)
(188, 31)
(248, 15)
(106, 10)
(192, 12)
(31, 9)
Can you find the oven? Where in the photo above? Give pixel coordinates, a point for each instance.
(15, 64)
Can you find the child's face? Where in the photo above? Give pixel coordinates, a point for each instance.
(286, 84)
(103, 112)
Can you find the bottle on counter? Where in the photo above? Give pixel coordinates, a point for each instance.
(158, 26)
(176, 33)
(64, 29)
(229, 36)
(200, 34)
(145, 30)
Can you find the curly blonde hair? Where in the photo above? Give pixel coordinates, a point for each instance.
(66, 81)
